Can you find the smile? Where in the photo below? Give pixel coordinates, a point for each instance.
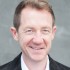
(36, 48)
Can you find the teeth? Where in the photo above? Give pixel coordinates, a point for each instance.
(36, 48)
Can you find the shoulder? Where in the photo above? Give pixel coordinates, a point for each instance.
(54, 65)
(7, 66)
(61, 66)
(12, 64)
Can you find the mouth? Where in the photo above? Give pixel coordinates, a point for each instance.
(36, 48)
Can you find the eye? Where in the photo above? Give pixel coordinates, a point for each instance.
(28, 31)
(45, 31)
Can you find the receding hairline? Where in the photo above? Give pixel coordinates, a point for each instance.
(40, 10)
(35, 4)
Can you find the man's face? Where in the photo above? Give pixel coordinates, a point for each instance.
(35, 33)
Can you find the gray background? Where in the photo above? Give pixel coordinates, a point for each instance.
(60, 51)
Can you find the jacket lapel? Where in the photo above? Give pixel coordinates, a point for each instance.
(53, 64)
(18, 67)
(16, 64)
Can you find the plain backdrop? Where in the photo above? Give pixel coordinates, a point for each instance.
(60, 50)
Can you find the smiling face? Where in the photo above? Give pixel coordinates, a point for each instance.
(35, 33)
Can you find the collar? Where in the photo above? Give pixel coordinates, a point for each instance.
(24, 67)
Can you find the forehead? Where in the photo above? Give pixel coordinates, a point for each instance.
(34, 16)
(29, 10)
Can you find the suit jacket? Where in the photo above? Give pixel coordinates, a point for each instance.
(16, 65)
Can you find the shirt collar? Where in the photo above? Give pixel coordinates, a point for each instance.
(24, 67)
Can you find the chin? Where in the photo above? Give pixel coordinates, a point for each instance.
(38, 58)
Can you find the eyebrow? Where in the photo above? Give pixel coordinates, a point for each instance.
(28, 28)
(46, 28)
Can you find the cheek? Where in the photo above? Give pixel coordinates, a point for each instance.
(25, 40)
(48, 40)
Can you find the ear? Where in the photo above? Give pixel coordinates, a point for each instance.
(53, 31)
(14, 33)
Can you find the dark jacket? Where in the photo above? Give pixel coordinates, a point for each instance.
(16, 65)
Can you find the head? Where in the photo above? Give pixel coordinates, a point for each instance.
(34, 28)
(36, 4)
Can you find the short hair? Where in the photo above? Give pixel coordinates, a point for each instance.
(37, 4)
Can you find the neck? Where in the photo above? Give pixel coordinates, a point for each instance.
(35, 65)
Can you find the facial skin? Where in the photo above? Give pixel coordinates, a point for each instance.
(35, 33)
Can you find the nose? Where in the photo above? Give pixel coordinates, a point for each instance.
(37, 39)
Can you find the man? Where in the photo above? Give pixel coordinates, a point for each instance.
(34, 29)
